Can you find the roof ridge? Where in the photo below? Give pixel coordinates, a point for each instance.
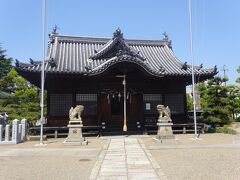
(106, 39)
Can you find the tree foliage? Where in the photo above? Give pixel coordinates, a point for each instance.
(202, 88)
(5, 63)
(234, 101)
(238, 79)
(24, 99)
(215, 102)
(189, 102)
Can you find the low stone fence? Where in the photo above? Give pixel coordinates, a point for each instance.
(19, 132)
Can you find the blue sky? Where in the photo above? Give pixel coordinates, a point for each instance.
(216, 26)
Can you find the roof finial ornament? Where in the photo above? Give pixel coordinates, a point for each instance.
(185, 66)
(31, 61)
(118, 33)
(165, 36)
(16, 62)
(215, 68)
(55, 28)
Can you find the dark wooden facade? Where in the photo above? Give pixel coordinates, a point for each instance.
(77, 73)
(108, 89)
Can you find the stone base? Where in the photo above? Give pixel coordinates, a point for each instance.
(77, 122)
(8, 142)
(165, 131)
(75, 135)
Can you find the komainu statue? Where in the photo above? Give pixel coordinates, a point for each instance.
(75, 136)
(164, 111)
(164, 123)
(75, 113)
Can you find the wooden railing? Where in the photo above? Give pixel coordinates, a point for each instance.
(179, 128)
(63, 131)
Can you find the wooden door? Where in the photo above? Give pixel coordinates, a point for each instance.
(134, 112)
(112, 113)
(105, 111)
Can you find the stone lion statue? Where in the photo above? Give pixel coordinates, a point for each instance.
(164, 111)
(75, 113)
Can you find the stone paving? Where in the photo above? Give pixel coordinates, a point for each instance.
(128, 159)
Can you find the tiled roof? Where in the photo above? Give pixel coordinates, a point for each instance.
(92, 56)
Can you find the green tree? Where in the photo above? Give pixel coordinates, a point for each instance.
(189, 102)
(238, 79)
(234, 100)
(24, 99)
(5, 63)
(216, 102)
(202, 88)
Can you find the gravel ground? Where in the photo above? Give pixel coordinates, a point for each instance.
(41, 168)
(25, 161)
(214, 157)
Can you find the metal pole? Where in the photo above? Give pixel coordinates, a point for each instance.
(42, 72)
(192, 58)
(125, 104)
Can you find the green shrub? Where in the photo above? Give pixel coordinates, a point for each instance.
(225, 130)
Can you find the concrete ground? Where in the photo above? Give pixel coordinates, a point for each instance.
(213, 156)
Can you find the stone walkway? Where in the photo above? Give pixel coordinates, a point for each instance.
(128, 159)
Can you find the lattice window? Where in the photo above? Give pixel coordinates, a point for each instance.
(60, 104)
(86, 97)
(89, 101)
(150, 102)
(175, 102)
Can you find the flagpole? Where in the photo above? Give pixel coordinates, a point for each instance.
(42, 71)
(192, 59)
(125, 104)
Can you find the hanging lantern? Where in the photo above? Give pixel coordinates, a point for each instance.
(108, 99)
(128, 95)
(119, 96)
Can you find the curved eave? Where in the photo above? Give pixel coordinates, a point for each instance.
(22, 70)
(125, 59)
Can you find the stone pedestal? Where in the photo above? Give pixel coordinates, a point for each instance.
(75, 125)
(15, 131)
(24, 129)
(7, 132)
(1, 132)
(164, 129)
(75, 136)
(164, 123)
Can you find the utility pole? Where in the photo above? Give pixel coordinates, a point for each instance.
(224, 74)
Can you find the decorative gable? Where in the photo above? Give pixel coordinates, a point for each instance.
(116, 47)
